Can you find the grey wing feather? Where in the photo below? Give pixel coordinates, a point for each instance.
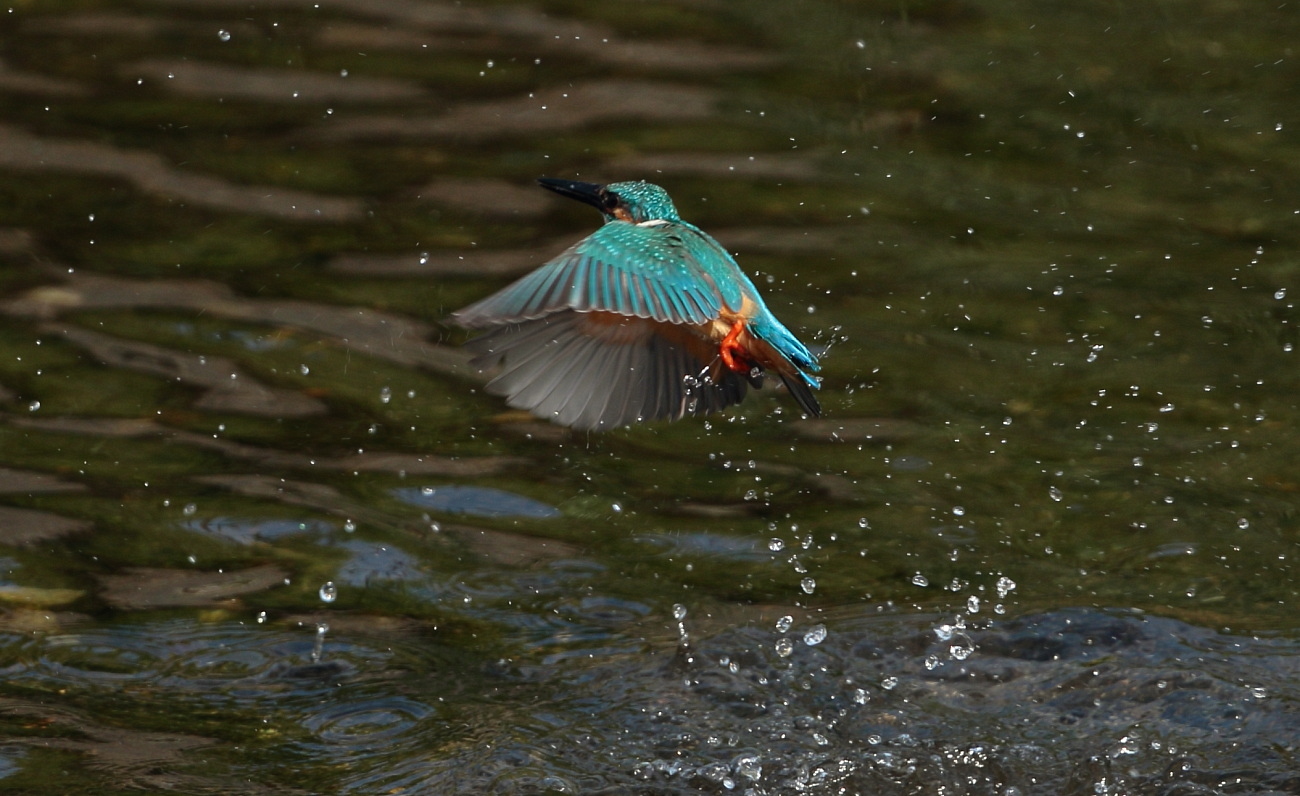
(554, 367)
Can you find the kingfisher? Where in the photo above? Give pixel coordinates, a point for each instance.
(647, 318)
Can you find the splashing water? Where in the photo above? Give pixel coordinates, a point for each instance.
(679, 613)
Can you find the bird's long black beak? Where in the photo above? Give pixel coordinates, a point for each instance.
(585, 192)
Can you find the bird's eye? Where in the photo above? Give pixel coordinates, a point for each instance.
(610, 200)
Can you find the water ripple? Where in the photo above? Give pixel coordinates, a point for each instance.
(367, 724)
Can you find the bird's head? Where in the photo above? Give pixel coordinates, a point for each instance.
(633, 202)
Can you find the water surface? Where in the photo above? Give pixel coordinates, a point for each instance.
(261, 530)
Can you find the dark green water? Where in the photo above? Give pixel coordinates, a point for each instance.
(262, 531)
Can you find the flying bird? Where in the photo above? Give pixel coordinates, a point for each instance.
(647, 318)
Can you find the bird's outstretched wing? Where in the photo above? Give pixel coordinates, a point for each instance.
(662, 271)
(598, 370)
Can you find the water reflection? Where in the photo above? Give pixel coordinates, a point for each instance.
(246, 531)
(479, 501)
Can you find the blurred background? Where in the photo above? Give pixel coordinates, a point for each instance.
(262, 531)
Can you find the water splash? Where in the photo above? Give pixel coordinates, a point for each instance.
(679, 614)
(318, 646)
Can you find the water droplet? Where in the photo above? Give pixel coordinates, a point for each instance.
(304, 370)
(224, 35)
(1243, 523)
(385, 395)
(350, 526)
(958, 511)
(784, 624)
(889, 683)
(920, 580)
(809, 585)
(776, 545)
(318, 647)
(815, 635)
(784, 647)
(189, 509)
(679, 612)
(261, 617)
(973, 604)
(749, 766)
(1005, 586)
(860, 696)
(863, 523)
(1280, 294)
(329, 592)
(1055, 494)
(33, 406)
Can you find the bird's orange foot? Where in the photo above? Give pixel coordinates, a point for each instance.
(733, 352)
